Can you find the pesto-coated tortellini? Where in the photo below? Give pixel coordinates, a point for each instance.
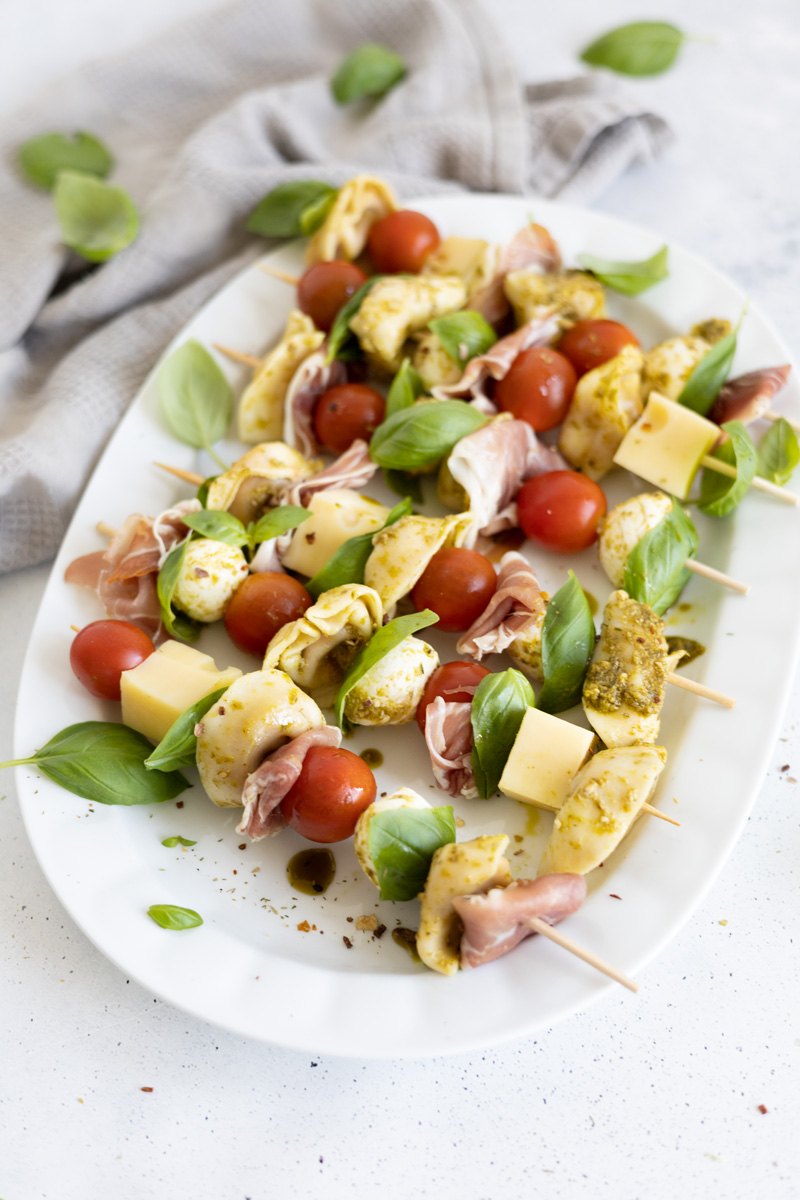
(605, 404)
(668, 365)
(260, 413)
(574, 295)
(210, 574)
(402, 552)
(472, 259)
(436, 368)
(526, 649)
(258, 478)
(390, 692)
(397, 306)
(343, 234)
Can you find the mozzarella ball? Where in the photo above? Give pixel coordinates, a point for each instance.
(390, 692)
(624, 527)
(403, 798)
(210, 574)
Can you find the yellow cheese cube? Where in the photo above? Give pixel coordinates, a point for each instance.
(336, 516)
(155, 693)
(545, 757)
(667, 445)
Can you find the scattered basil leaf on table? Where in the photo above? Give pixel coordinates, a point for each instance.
(287, 208)
(371, 70)
(169, 842)
(219, 525)
(104, 761)
(655, 573)
(778, 453)
(464, 335)
(340, 336)
(177, 750)
(630, 278)
(406, 387)
(97, 219)
(177, 624)
(403, 484)
(172, 916)
(719, 494)
(421, 435)
(43, 158)
(702, 387)
(402, 843)
(347, 564)
(498, 706)
(196, 398)
(568, 638)
(639, 48)
(382, 641)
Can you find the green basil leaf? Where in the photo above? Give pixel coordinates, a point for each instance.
(196, 398)
(178, 748)
(176, 623)
(403, 484)
(421, 435)
(720, 495)
(406, 387)
(202, 491)
(97, 220)
(655, 573)
(640, 48)
(177, 841)
(630, 278)
(703, 385)
(347, 564)
(275, 522)
(315, 213)
(371, 70)
(382, 641)
(172, 916)
(218, 525)
(464, 335)
(402, 843)
(778, 453)
(498, 706)
(282, 211)
(104, 761)
(568, 638)
(340, 338)
(43, 158)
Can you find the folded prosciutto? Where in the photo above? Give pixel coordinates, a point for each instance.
(495, 364)
(353, 469)
(448, 736)
(496, 921)
(533, 249)
(266, 787)
(517, 603)
(313, 377)
(748, 396)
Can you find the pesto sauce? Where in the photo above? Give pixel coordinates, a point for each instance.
(690, 647)
(311, 871)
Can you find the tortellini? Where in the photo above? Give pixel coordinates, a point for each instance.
(526, 649)
(605, 404)
(258, 478)
(472, 259)
(260, 413)
(390, 692)
(402, 552)
(436, 368)
(210, 574)
(574, 295)
(343, 234)
(397, 306)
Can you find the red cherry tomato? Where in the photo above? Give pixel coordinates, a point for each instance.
(347, 412)
(402, 241)
(538, 388)
(262, 605)
(457, 584)
(449, 681)
(561, 510)
(329, 795)
(325, 287)
(103, 650)
(588, 344)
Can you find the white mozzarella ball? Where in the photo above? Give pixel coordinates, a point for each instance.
(210, 574)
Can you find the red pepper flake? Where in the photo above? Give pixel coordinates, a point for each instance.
(304, 927)
(347, 942)
(379, 932)
(614, 896)
(150, 1090)
(243, 846)
(762, 1108)
(350, 919)
(179, 804)
(314, 928)
(785, 767)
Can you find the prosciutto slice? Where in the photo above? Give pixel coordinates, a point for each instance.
(265, 788)
(531, 248)
(353, 469)
(313, 377)
(749, 396)
(448, 736)
(517, 603)
(496, 362)
(496, 921)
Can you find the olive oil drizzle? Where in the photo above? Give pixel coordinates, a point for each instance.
(311, 871)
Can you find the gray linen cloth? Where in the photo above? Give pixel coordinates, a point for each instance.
(203, 122)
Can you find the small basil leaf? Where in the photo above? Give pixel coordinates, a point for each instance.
(340, 338)
(177, 841)
(315, 213)
(421, 435)
(371, 70)
(42, 158)
(464, 335)
(402, 843)
(196, 398)
(630, 278)
(406, 387)
(568, 638)
(703, 385)
(202, 491)
(403, 484)
(281, 212)
(640, 48)
(655, 573)
(104, 761)
(719, 494)
(172, 916)
(176, 623)
(218, 525)
(97, 220)
(498, 706)
(778, 453)
(275, 522)
(178, 747)
(385, 639)
(347, 564)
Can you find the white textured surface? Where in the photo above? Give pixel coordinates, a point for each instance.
(651, 1096)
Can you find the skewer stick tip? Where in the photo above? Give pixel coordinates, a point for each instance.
(561, 939)
(187, 476)
(656, 812)
(699, 689)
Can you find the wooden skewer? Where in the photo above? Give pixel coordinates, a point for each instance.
(106, 529)
(699, 689)
(187, 476)
(561, 939)
(656, 812)
(284, 276)
(717, 576)
(763, 485)
(773, 416)
(249, 360)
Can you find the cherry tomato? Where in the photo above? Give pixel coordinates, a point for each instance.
(402, 241)
(561, 510)
(449, 681)
(588, 344)
(103, 650)
(457, 584)
(262, 605)
(329, 795)
(538, 388)
(325, 287)
(347, 412)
